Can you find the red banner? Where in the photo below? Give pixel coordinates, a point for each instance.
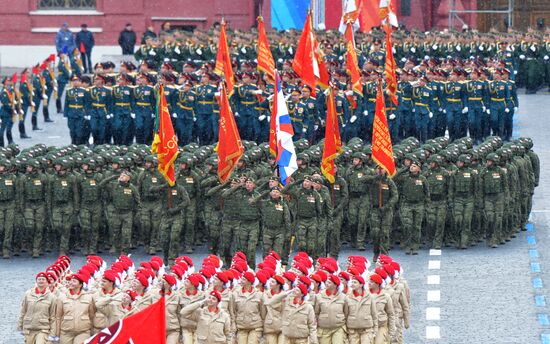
(333, 143)
(223, 61)
(382, 150)
(391, 77)
(230, 147)
(165, 143)
(266, 63)
(351, 60)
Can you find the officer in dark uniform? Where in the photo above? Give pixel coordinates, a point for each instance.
(25, 91)
(8, 112)
(74, 110)
(184, 101)
(64, 69)
(144, 108)
(512, 104)
(307, 108)
(498, 94)
(295, 116)
(122, 110)
(246, 103)
(423, 97)
(476, 100)
(98, 108)
(205, 100)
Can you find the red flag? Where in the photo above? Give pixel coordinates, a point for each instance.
(305, 63)
(35, 70)
(382, 150)
(51, 58)
(223, 61)
(265, 59)
(369, 14)
(273, 122)
(145, 327)
(165, 143)
(230, 147)
(351, 60)
(333, 143)
(391, 78)
(324, 77)
(14, 78)
(23, 78)
(82, 48)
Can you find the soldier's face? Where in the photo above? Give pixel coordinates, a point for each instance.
(106, 284)
(29, 169)
(414, 168)
(460, 164)
(124, 178)
(305, 93)
(307, 184)
(433, 165)
(295, 97)
(212, 301)
(355, 285)
(297, 292)
(356, 161)
(41, 282)
(74, 284)
(380, 171)
(126, 300)
(273, 183)
(2, 169)
(249, 185)
(489, 163)
(58, 167)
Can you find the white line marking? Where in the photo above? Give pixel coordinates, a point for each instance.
(54, 137)
(433, 279)
(434, 265)
(435, 252)
(541, 211)
(433, 332)
(433, 313)
(434, 295)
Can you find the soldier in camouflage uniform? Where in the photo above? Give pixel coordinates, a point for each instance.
(359, 202)
(325, 218)
(339, 200)
(190, 181)
(436, 213)
(91, 205)
(150, 205)
(493, 187)
(8, 203)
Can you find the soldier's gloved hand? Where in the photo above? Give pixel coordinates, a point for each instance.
(444, 110)
(133, 115)
(33, 104)
(365, 113)
(488, 111)
(343, 125)
(315, 127)
(198, 51)
(304, 130)
(413, 50)
(516, 109)
(152, 52)
(87, 118)
(55, 89)
(353, 119)
(440, 109)
(152, 115)
(392, 117)
(465, 109)
(546, 57)
(322, 122)
(45, 97)
(430, 114)
(522, 57)
(533, 49)
(484, 109)
(403, 59)
(506, 110)
(174, 115)
(413, 110)
(237, 114)
(261, 118)
(194, 119)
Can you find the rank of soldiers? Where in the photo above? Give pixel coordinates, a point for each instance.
(313, 301)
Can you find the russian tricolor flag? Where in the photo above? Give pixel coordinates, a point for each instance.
(286, 154)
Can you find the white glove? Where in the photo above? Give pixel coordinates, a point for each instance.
(174, 115)
(280, 60)
(365, 113)
(166, 59)
(257, 92)
(393, 50)
(353, 119)
(403, 60)
(111, 116)
(434, 47)
(21, 112)
(516, 109)
(152, 115)
(392, 117)
(269, 118)
(546, 57)
(522, 57)
(133, 115)
(45, 97)
(33, 104)
(237, 114)
(243, 50)
(488, 111)
(343, 125)
(315, 127)
(483, 109)
(481, 48)
(533, 49)
(217, 94)
(270, 97)
(515, 72)
(348, 93)
(413, 50)
(465, 109)
(506, 110)
(194, 119)
(304, 130)
(323, 122)
(51, 339)
(45, 87)
(152, 52)
(413, 110)
(290, 50)
(199, 51)
(261, 118)
(177, 50)
(426, 57)
(87, 118)
(440, 109)
(458, 48)
(444, 111)
(430, 115)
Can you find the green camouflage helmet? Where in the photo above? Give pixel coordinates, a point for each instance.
(359, 155)
(33, 163)
(465, 158)
(492, 157)
(436, 158)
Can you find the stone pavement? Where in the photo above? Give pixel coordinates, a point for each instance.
(479, 295)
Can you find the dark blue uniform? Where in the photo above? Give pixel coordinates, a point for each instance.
(79, 127)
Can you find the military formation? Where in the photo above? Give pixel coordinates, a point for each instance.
(460, 83)
(310, 301)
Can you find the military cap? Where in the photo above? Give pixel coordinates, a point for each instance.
(492, 157)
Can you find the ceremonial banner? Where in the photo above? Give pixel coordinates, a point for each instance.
(165, 143)
(223, 61)
(333, 143)
(382, 150)
(230, 147)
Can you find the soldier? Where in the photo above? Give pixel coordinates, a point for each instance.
(184, 112)
(107, 299)
(325, 218)
(191, 293)
(122, 111)
(64, 195)
(247, 311)
(9, 194)
(8, 112)
(383, 195)
(74, 110)
(308, 110)
(512, 104)
(476, 102)
(339, 201)
(384, 306)
(492, 187)
(455, 105)
(299, 322)
(359, 201)
(126, 203)
(190, 181)
(64, 74)
(414, 195)
(150, 205)
(331, 309)
(204, 109)
(498, 93)
(26, 98)
(37, 320)
(49, 86)
(144, 97)
(98, 109)
(33, 186)
(436, 213)
(91, 208)
(423, 96)
(212, 205)
(362, 317)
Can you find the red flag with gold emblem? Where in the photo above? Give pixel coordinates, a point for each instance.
(351, 60)
(223, 61)
(382, 149)
(266, 63)
(230, 147)
(391, 77)
(305, 62)
(165, 143)
(332, 144)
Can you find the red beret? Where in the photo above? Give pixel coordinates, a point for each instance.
(110, 275)
(142, 279)
(42, 274)
(303, 289)
(263, 276)
(289, 275)
(376, 279)
(80, 277)
(305, 280)
(170, 279)
(344, 275)
(359, 279)
(195, 279)
(334, 279)
(249, 276)
(222, 276)
(381, 272)
(216, 294)
(178, 270)
(279, 279)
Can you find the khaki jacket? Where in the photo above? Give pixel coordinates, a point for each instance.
(299, 320)
(331, 310)
(212, 328)
(386, 315)
(106, 306)
(185, 321)
(362, 312)
(141, 303)
(246, 309)
(38, 313)
(400, 303)
(75, 313)
(273, 309)
(172, 306)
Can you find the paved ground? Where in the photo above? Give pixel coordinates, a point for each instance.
(476, 296)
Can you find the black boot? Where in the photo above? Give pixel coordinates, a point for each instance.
(22, 132)
(34, 123)
(46, 113)
(58, 105)
(9, 137)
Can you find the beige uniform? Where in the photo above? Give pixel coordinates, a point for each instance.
(273, 309)
(386, 318)
(247, 311)
(37, 319)
(401, 310)
(173, 307)
(299, 325)
(106, 308)
(362, 320)
(212, 327)
(74, 315)
(188, 325)
(142, 302)
(331, 311)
